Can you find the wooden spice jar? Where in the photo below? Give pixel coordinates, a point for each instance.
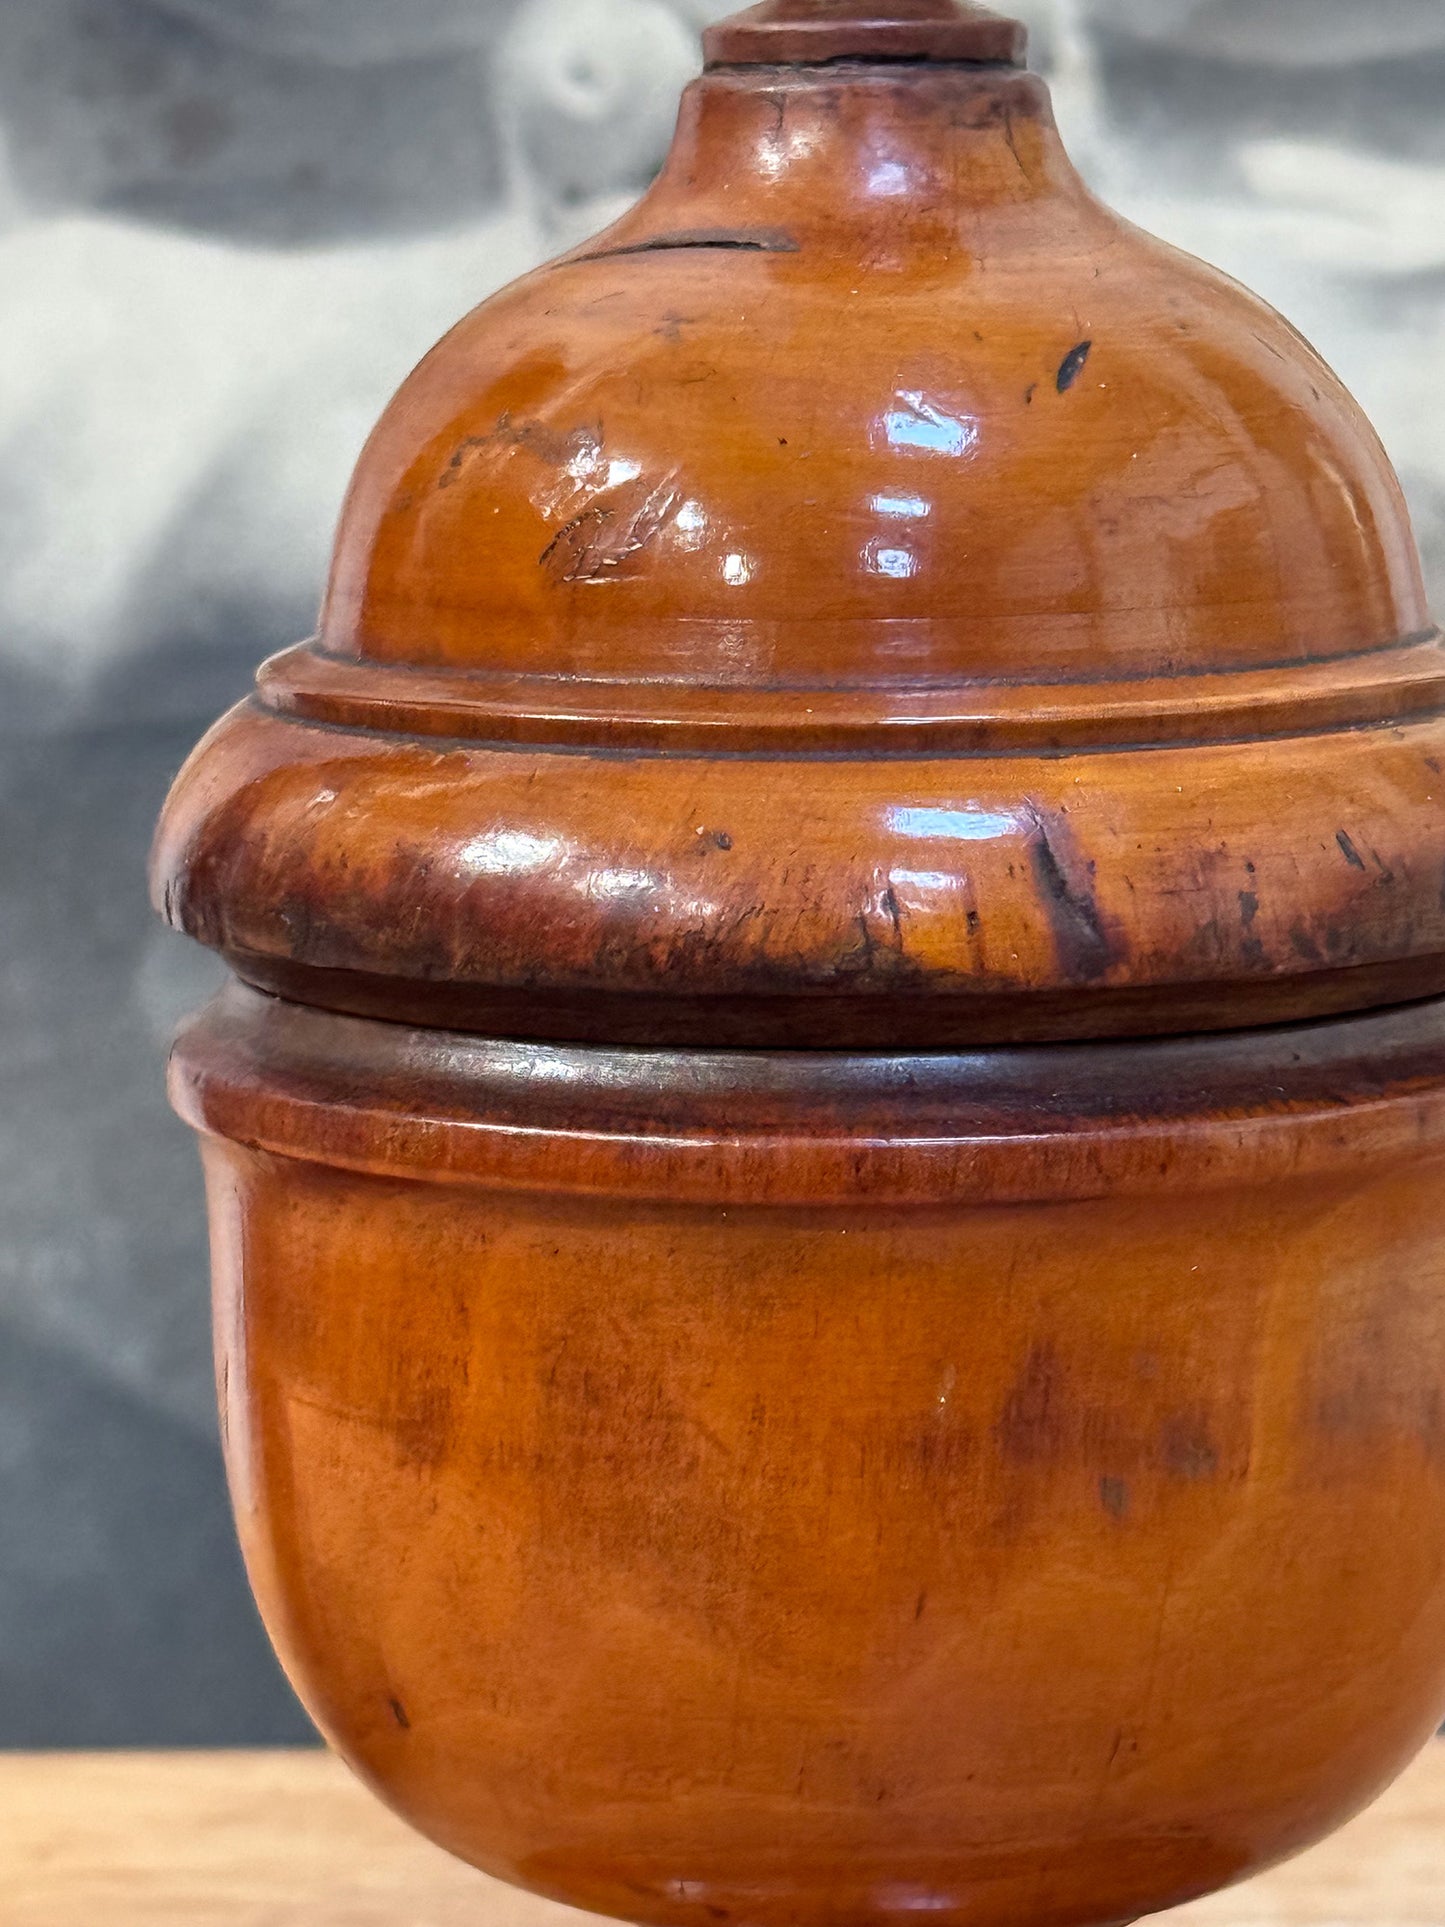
(828, 1160)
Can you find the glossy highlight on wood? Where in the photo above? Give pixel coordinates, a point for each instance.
(808, 1489)
(1071, 601)
(826, 1169)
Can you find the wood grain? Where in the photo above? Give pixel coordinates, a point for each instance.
(281, 1839)
(848, 605)
(871, 600)
(773, 1487)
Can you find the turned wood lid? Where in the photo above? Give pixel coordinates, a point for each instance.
(869, 596)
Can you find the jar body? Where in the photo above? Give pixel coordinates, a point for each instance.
(866, 616)
(701, 1506)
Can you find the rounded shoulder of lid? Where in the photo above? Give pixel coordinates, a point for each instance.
(818, 421)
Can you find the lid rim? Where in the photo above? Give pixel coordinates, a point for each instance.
(867, 1024)
(843, 899)
(914, 1128)
(1369, 687)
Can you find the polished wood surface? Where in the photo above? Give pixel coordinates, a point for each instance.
(290, 1840)
(807, 31)
(759, 1394)
(869, 393)
(876, 903)
(872, 596)
(726, 1486)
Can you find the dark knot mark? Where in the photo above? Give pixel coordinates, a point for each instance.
(1304, 945)
(399, 1714)
(1187, 1449)
(1032, 1425)
(1072, 366)
(1348, 851)
(1085, 948)
(757, 241)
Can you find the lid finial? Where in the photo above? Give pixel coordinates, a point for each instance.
(810, 32)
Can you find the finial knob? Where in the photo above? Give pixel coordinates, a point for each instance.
(810, 32)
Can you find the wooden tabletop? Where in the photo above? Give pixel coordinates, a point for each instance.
(281, 1839)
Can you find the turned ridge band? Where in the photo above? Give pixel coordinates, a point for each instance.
(797, 33)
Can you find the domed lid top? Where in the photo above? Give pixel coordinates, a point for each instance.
(869, 593)
(796, 32)
(870, 402)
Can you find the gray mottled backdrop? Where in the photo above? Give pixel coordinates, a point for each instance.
(227, 228)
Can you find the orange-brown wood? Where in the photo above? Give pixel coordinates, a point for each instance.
(767, 1376)
(814, 31)
(731, 1487)
(873, 595)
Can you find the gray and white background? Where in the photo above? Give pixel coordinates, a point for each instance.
(227, 229)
